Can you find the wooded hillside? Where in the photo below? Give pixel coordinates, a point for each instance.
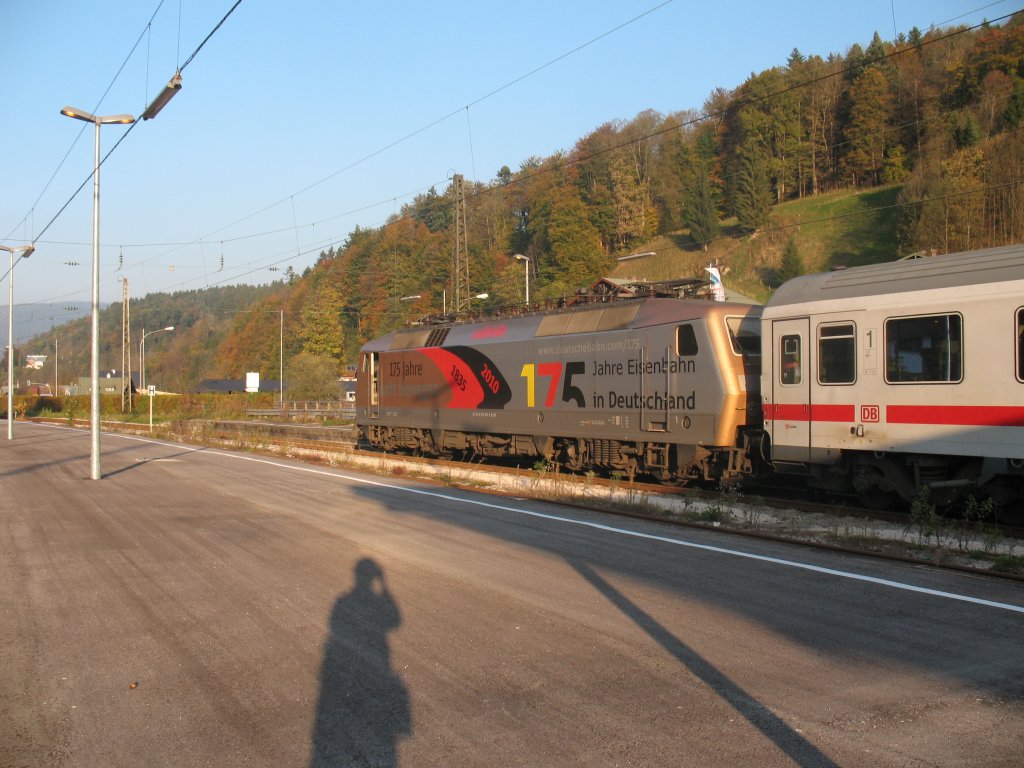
(888, 149)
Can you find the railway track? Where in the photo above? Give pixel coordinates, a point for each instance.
(834, 524)
(849, 516)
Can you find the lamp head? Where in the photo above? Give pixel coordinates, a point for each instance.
(24, 250)
(78, 114)
(172, 87)
(81, 114)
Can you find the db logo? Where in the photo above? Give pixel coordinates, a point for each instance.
(869, 413)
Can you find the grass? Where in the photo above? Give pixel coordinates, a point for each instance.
(838, 229)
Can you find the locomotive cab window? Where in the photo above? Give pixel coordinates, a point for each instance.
(371, 368)
(745, 335)
(837, 354)
(686, 341)
(924, 349)
(1020, 344)
(790, 371)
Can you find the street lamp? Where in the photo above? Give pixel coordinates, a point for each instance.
(163, 97)
(142, 354)
(526, 263)
(25, 251)
(94, 419)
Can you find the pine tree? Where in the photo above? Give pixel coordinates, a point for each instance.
(792, 265)
(700, 207)
(870, 109)
(752, 195)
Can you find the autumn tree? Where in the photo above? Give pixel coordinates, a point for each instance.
(769, 117)
(948, 214)
(321, 330)
(672, 168)
(594, 179)
(870, 106)
(577, 258)
(311, 377)
(1005, 196)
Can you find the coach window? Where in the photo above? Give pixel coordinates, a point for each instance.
(1020, 344)
(837, 354)
(790, 358)
(924, 349)
(686, 341)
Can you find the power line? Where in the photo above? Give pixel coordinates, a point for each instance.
(95, 110)
(212, 31)
(553, 166)
(438, 121)
(125, 134)
(583, 158)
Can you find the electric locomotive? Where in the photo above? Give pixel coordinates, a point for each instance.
(659, 386)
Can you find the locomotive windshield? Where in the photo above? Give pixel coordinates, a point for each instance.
(745, 335)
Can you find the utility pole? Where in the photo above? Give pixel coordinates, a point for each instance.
(126, 348)
(460, 257)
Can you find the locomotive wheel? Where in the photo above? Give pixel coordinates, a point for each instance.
(1012, 514)
(877, 500)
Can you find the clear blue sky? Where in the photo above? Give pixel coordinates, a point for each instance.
(277, 145)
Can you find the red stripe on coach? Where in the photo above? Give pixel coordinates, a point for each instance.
(801, 412)
(959, 415)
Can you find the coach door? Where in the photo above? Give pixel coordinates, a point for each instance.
(788, 416)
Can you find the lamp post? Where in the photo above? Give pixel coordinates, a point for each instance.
(280, 353)
(142, 354)
(94, 419)
(25, 251)
(526, 263)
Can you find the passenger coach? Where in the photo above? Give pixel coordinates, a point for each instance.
(900, 375)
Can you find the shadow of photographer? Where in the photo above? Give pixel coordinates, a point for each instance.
(363, 708)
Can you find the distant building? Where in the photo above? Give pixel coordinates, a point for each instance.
(110, 383)
(348, 389)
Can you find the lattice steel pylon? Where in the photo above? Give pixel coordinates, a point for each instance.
(460, 255)
(126, 348)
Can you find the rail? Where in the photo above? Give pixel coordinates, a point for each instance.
(299, 408)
